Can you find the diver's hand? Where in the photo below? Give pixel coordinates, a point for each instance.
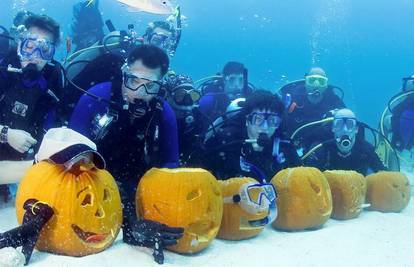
(20, 140)
(156, 235)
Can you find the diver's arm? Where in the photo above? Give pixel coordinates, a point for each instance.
(12, 172)
(168, 138)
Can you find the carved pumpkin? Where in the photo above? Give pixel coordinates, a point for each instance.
(86, 203)
(388, 191)
(348, 193)
(304, 199)
(235, 223)
(183, 197)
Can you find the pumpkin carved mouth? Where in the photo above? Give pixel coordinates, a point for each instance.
(89, 237)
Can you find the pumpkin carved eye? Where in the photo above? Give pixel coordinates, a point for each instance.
(193, 195)
(107, 195)
(87, 200)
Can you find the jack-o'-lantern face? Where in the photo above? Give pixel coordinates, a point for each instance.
(304, 199)
(188, 198)
(237, 222)
(348, 193)
(388, 191)
(86, 203)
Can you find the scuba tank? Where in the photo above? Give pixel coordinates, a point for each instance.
(118, 42)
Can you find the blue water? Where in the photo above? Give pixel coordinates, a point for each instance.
(366, 47)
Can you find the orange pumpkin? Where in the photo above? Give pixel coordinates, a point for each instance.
(388, 191)
(86, 203)
(348, 193)
(304, 199)
(235, 223)
(183, 197)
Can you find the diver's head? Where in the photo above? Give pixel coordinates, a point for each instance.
(142, 77)
(182, 94)
(316, 83)
(37, 44)
(234, 79)
(264, 112)
(408, 83)
(345, 128)
(163, 35)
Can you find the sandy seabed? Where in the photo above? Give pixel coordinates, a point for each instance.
(372, 239)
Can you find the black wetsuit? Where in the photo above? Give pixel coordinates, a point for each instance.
(29, 105)
(223, 152)
(362, 159)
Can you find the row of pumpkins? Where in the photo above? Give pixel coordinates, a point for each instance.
(88, 213)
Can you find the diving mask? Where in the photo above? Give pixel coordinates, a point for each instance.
(260, 118)
(185, 95)
(164, 41)
(32, 47)
(133, 81)
(256, 198)
(344, 124)
(316, 81)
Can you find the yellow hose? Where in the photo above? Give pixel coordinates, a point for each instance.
(311, 151)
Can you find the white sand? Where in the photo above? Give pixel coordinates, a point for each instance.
(373, 239)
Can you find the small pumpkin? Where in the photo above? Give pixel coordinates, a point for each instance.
(388, 191)
(86, 203)
(182, 197)
(304, 199)
(348, 193)
(235, 223)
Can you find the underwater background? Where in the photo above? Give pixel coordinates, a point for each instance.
(365, 47)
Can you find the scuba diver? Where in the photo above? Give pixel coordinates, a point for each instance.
(397, 124)
(163, 34)
(251, 143)
(30, 89)
(135, 130)
(110, 52)
(220, 91)
(183, 98)
(309, 100)
(346, 149)
(87, 25)
(402, 118)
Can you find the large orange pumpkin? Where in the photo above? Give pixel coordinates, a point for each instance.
(86, 203)
(304, 199)
(388, 191)
(235, 223)
(183, 197)
(348, 193)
